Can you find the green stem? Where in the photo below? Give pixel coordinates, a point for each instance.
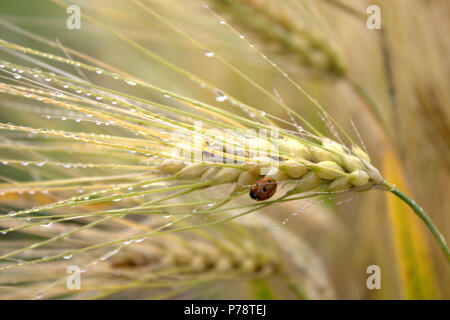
(422, 215)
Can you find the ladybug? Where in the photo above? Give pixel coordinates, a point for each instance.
(263, 189)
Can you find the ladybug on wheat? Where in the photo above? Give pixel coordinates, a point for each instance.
(263, 189)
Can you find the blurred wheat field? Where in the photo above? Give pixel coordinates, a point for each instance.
(137, 234)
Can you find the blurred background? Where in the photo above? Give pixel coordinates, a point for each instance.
(392, 83)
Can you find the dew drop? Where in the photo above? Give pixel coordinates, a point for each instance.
(109, 255)
(220, 96)
(38, 295)
(209, 54)
(140, 239)
(67, 257)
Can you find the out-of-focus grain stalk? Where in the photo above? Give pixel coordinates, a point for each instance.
(279, 24)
